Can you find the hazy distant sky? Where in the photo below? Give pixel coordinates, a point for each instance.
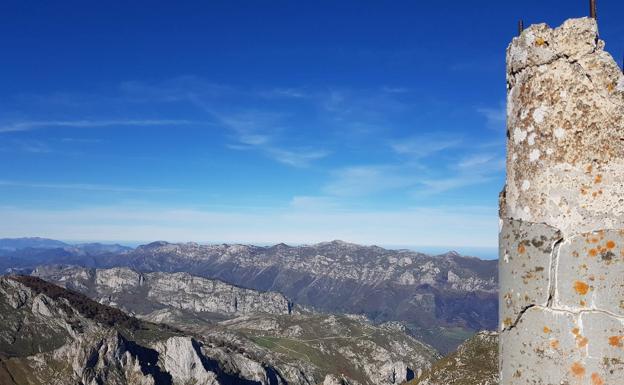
(260, 121)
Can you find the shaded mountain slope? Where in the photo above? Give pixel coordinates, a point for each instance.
(474, 363)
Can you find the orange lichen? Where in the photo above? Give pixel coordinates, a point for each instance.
(610, 245)
(539, 42)
(596, 379)
(521, 248)
(593, 252)
(554, 344)
(575, 331)
(598, 178)
(546, 329)
(615, 341)
(581, 341)
(507, 322)
(577, 369)
(581, 287)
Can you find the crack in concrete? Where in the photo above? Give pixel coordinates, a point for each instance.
(553, 283)
(520, 314)
(554, 267)
(578, 314)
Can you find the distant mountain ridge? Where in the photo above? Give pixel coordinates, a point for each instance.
(31, 242)
(22, 254)
(442, 299)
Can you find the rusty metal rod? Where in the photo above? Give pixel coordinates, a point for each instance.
(592, 9)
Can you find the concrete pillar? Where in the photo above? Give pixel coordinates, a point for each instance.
(562, 211)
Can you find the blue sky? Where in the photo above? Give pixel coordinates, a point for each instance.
(268, 121)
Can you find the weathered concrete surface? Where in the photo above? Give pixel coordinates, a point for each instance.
(558, 347)
(590, 272)
(562, 210)
(565, 108)
(526, 251)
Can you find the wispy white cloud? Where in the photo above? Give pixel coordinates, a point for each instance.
(483, 162)
(425, 145)
(288, 93)
(83, 187)
(495, 117)
(301, 158)
(436, 186)
(30, 146)
(417, 180)
(262, 131)
(368, 180)
(81, 140)
(473, 169)
(29, 125)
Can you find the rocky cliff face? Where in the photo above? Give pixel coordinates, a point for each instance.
(317, 345)
(142, 293)
(52, 336)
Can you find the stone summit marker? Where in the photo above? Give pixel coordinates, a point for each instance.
(562, 210)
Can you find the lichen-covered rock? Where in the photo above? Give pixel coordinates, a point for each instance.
(565, 186)
(525, 267)
(590, 273)
(565, 116)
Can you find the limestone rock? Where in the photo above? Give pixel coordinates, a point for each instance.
(58, 337)
(124, 287)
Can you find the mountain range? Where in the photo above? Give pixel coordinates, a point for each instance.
(329, 344)
(333, 313)
(268, 344)
(440, 299)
